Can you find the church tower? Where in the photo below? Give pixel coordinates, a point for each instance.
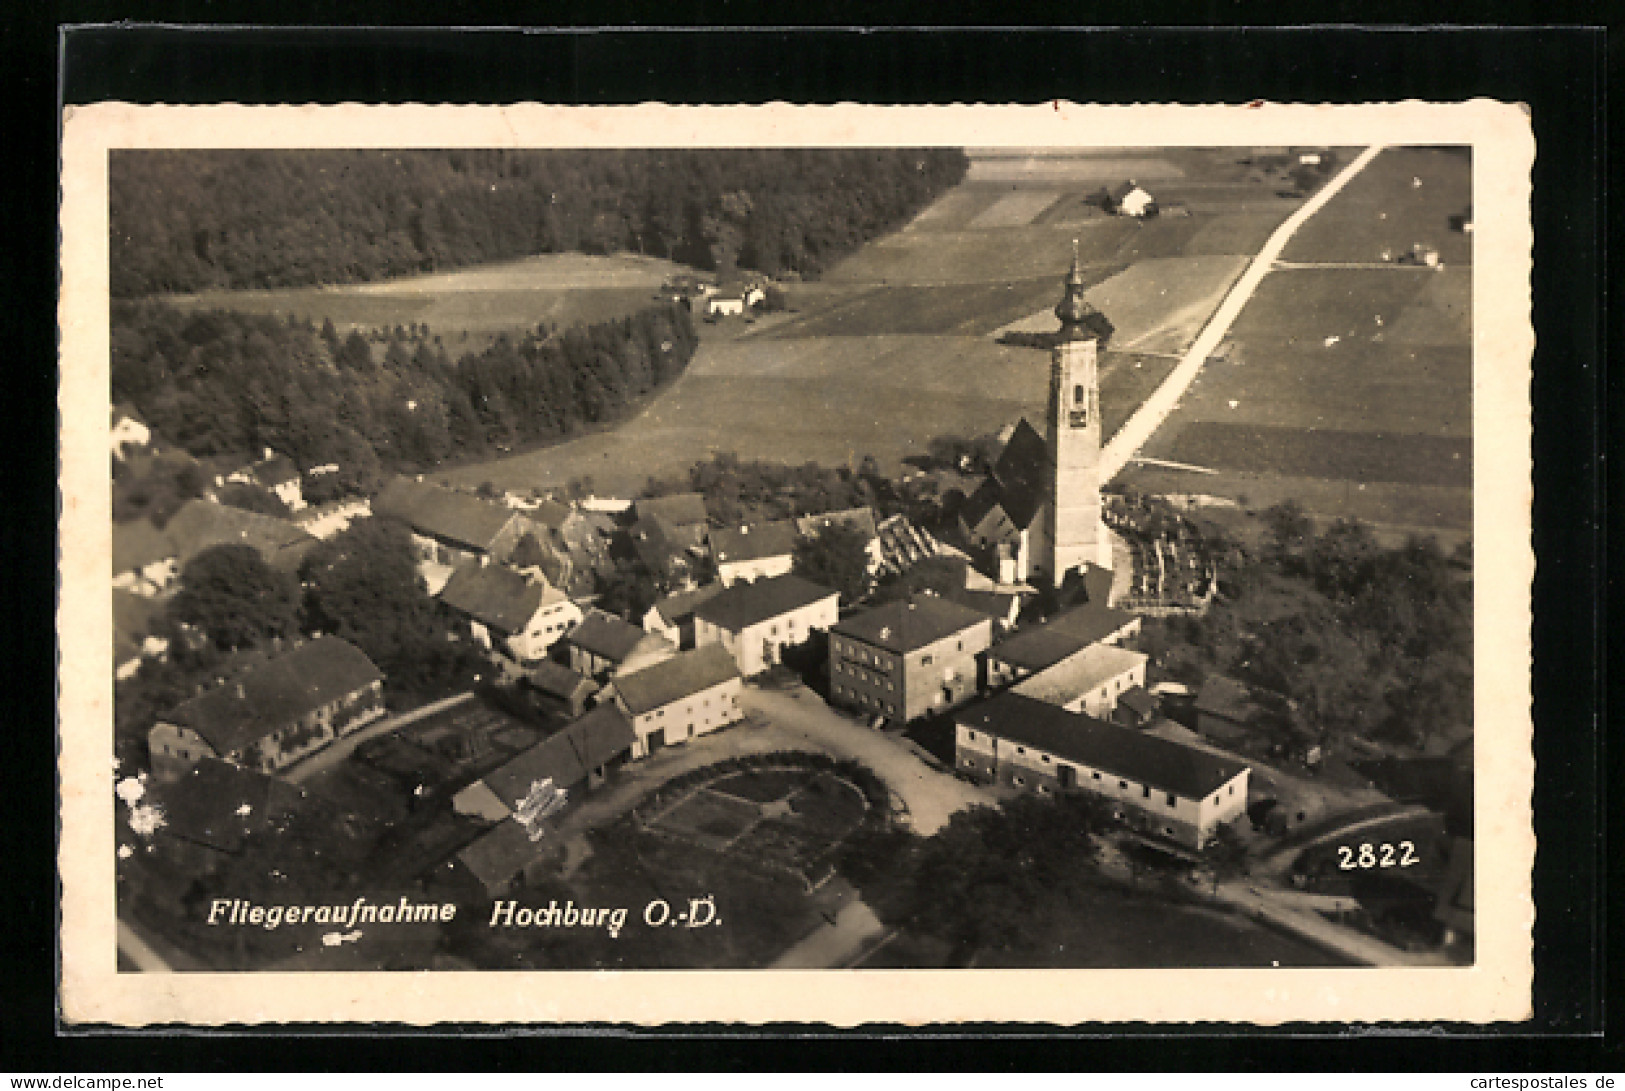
(1072, 533)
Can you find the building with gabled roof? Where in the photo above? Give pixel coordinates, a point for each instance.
(273, 714)
(900, 545)
(203, 524)
(690, 694)
(509, 613)
(500, 856)
(684, 510)
(673, 616)
(1090, 680)
(603, 645)
(1135, 707)
(561, 689)
(754, 551)
(903, 660)
(1166, 788)
(1036, 648)
(580, 753)
(277, 474)
(757, 621)
(450, 527)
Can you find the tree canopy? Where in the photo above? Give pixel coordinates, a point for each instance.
(836, 557)
(233, 597)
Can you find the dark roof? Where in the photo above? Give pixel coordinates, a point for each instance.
(905, 626)
(1138, 700)
(678, 509)
(137, 544)
(1038, 647)
(276, 470)
(683, 675)
(495, 595)
(454, 517)
(1225, 697)
(861, 520)
(1159, 763)
(500, 854)
(221, 805)
(549, 513)
(995, 604)
(1022, 474)
(557, 680)
(202, 524)
(754, 542)
(980, 502)
(276, 693)
(746, 604)
(566, 757)
(607, 636)
(676, 607)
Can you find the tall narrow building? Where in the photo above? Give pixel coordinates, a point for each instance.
(1071, 533)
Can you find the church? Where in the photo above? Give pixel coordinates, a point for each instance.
(1038, 511)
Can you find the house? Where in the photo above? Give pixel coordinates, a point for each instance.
(673, 616)
(272, 715)
(325, 521)
(1128, 199)
(735, 297)
(1135, 707)
(683, 512)
(203, 524)
(1165, 788)
(1037, 648)
(756, 621)
(500, 857)
(508, 613)
(560, 689)
(603, 645)
(1224, 708)
(580, 753)
(128, 431)
(450, 528)
(692, 693)
(1089, 681)
(213, 808)
(276, 474)
(754, 552)
(664, 549)
(1003, 607)
(905, 659)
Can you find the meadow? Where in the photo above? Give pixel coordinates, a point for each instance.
(1405, 196)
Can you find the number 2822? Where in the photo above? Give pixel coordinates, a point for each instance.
(1374, 856)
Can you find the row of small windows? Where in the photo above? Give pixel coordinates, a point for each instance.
(865, 700)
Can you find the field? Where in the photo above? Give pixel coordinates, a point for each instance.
(1349, 389)
(469, 307)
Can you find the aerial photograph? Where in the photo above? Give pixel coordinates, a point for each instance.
(863, 558)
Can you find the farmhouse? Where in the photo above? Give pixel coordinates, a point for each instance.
(508, 613)
(500, 857)
(1128, 199)
(1091, 680)
(450, 528)
(602, 645)
(692, 693)
(1037, 648)
(905, 659)
(274, 714)
(756, 621)
(203, 524)
(560, 689)
(754, 552)
(673, 616)
(735, 297)
(1164, 788)
(682, 511)
(582, 752)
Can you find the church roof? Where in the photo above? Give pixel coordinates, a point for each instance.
(1022, 474)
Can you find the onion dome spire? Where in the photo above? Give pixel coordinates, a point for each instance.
(1073, 310)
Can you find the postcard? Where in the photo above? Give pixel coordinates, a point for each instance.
(1055, 564)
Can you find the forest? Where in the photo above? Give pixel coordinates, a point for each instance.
(224, 383)
(183, 221)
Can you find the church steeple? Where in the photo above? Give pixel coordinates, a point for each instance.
(1073, 310)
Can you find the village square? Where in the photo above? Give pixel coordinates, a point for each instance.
(1075, 571)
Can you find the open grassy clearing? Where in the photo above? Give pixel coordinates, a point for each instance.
(968, 310)
(964, 257)
(1235, 232)
(1334, 455)
(1126, 380)
(1155, 306)
(1382, 209)
(1313, 304)
(1015, 209)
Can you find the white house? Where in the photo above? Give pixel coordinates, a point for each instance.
(754, 552)
(1090, 681)
(1165, 788)
(509, 613)
(757, 621)
(691, 694)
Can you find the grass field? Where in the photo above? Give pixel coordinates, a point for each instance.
(1383, 209)
(973, 257)
(468, 307)
(1303, 452)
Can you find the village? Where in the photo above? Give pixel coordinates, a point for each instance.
(754, 693)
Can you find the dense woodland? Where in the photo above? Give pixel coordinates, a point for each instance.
(224, 383)
(190, 220)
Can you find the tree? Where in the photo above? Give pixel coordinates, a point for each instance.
(629, 590)
(1225, 855)
(233, 597)
(940, 575)
(836, 557)
(250, 497)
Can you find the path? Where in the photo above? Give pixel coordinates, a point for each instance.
(931, 797)
(1285, 912)
(340, 749)
(1138, 429)
(851, 932)
(138, 951)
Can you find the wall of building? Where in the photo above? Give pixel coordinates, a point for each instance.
(760, 646)
(688, 718)
(933, 678)
(549, 625)
(731, 572)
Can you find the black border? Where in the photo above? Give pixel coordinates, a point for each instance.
(1561, 73)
